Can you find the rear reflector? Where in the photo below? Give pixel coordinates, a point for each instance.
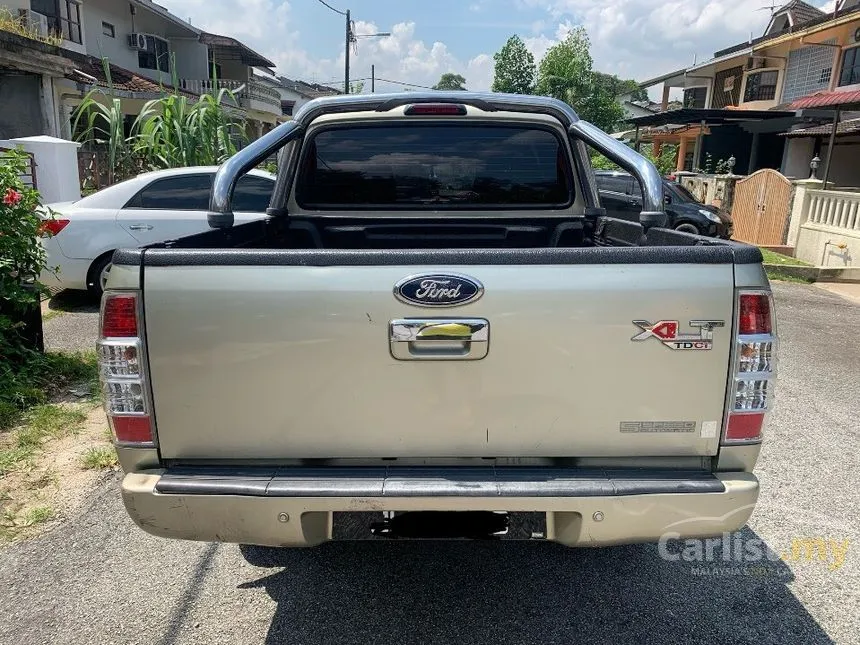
(119, 316)
(51, 227)
(744, 427)
(136, 429)
(754, 317)
(441, 109)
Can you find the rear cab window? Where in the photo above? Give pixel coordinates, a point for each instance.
(435, 166)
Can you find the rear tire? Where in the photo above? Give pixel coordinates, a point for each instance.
(686, 227)
(98, 275)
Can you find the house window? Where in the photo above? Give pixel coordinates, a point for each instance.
(807, 71)
(108, 30)
(156, 56)
(64, 17)
(850, 74)
(695, 97)
(287, 108)
(761, 86)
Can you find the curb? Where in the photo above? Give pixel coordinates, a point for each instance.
(816, 274)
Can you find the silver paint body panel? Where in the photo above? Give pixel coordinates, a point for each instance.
(284, 362)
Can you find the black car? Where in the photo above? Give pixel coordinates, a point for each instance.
(621, 196)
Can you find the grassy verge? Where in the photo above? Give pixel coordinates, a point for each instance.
(776, 274)
(99, 458)
(776, 260)
(771, 257)
(43, 379)
(34, 402)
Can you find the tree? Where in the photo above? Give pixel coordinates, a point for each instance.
(515, 68)
(356, 87)
(565, 73)
(619, 87)
(450, 82)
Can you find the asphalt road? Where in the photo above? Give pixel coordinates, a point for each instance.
(97, 579)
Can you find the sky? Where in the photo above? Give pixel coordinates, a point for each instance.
(636, 39)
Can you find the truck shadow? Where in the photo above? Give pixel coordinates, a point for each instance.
(516, 592)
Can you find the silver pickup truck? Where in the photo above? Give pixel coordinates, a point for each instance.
(438, 333)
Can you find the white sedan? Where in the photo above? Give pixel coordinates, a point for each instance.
(152, 207)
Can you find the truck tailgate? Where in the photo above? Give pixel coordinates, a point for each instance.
(257, 361)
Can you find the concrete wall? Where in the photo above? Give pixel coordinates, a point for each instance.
(22, 112)
(845, 167)
(796, 157)
(290, 95)
(192, 58)
(182, 41)
(843, 249)
(56, 167)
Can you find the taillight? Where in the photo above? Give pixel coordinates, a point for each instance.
(51, 227)
(754, 370)
(121, 370)
(754, 314)
(438, 109)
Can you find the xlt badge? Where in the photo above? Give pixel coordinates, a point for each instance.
(666, 331)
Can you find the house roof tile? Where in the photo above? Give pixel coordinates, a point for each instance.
(844, 128)
(120, 78)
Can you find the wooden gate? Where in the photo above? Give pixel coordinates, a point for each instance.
(762, 205)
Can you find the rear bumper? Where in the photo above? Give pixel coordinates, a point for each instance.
(295, 508)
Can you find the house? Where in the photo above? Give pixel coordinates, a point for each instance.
(752, 100)
(293, 93)
(148, 49)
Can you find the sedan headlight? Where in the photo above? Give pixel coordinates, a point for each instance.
(711, 216)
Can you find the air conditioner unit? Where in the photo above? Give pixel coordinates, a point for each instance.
(138, 42)
(756, 63)
(34, 20)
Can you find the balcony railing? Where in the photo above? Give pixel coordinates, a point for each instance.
(249, 94)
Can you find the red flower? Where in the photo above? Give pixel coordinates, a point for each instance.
(12, 197)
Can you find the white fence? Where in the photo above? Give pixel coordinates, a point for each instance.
(829, 231)
(834, 208)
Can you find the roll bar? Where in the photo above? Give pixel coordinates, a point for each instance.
(220, 204)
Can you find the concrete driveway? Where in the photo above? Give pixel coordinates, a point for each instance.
(97, 578)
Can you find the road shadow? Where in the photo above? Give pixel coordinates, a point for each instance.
(73, 301)
(522, 592)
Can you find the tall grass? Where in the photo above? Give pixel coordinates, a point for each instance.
(171, 131)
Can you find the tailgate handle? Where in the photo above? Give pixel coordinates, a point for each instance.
(465, 339)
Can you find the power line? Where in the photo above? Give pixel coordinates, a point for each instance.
(388, 80)
(324, 3)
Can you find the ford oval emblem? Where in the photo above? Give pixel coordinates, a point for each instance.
(438, 290)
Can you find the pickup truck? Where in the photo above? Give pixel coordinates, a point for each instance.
(436, 332)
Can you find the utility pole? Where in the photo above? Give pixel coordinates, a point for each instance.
(346, 58)
(372, 79)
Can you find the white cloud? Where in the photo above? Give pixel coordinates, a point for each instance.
(268, 27)
(636, 39)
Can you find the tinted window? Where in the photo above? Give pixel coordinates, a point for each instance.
(680, 192)
(184, 193)
(439, 166)
(615, 183)
(252, 194)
